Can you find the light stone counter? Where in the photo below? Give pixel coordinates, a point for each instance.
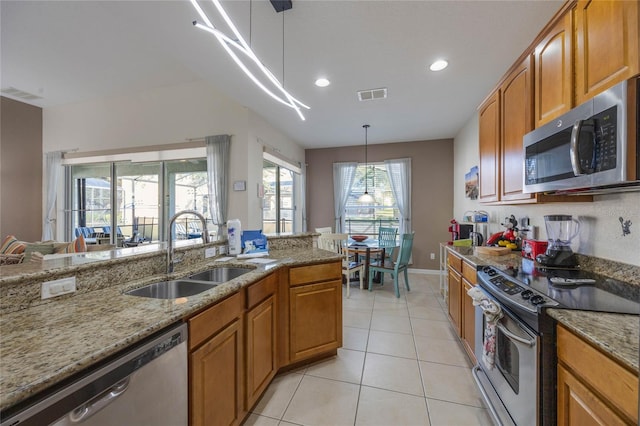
(615, 334)
(44, 344)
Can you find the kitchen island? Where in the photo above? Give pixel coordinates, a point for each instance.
(45, 344)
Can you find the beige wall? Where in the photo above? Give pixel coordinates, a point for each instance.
(600, 231)
(20, 170)
(432, 185)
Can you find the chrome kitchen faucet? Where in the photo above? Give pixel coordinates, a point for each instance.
(205, 235)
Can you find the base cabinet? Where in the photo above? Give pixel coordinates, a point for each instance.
(216, 364)
(462, 277)
(315, 311)
(593, 389)
(454, 302)
(261, 325)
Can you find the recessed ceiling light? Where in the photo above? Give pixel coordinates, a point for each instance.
(322, 82)
(439, 65)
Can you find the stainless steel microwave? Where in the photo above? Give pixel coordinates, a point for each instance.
(594, 146)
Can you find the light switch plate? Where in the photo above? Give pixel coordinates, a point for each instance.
(59, 287)
(209, 252)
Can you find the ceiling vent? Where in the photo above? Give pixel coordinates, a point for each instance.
(17, 93)
(371, 94)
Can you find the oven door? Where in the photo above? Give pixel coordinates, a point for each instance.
(510, 386)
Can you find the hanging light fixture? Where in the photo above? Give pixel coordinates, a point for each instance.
(243, 47)
(366, 198)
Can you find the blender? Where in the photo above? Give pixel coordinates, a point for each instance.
(561, 229)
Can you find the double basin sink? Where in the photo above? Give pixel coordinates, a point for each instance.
(190, 286)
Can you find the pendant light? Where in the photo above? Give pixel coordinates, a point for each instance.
(366, 198)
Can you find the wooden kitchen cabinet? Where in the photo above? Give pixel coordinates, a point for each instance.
(516, 120)
(261, 325)
(593, 389)
(216, 364)
(315, 310)
(454, 295)
(489, 141)
(607, 46)
(553, 76)
(468, 311)
(461, 277)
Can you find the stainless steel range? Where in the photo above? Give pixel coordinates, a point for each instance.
(516, 348)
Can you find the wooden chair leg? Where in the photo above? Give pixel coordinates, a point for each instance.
(395, 284)
(360, 274)
(348, 276)
(370, 280)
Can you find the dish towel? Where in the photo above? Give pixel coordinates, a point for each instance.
(492, 313)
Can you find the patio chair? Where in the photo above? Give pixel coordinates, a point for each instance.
(338, 243)
(401, 265)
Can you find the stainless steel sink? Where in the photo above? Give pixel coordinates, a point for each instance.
(173, 289)
(220, 275)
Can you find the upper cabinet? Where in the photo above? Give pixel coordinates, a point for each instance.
(585, 49)
(553, 83)
(606, 34)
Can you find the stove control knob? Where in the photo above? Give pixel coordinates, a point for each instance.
(526, 294)
(537, 300)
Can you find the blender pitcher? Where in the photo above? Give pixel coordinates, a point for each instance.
(561, 230)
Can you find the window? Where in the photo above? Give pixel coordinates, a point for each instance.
(278, 208)
(137, 199)
(363, 219)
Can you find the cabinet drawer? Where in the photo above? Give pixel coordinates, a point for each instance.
(469, 273)
(608, 378)
(259, 291)
(208, 323)
(455, 262)
(315, 273)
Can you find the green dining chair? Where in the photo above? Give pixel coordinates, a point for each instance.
(387, 239)
(401, 265)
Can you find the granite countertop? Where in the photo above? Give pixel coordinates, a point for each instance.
(45, 344)
(615, 334)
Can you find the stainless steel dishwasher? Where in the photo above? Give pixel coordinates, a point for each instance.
(145, 385)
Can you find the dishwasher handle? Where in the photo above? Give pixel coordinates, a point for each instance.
(90, 408)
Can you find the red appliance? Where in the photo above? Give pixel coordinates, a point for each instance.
(532, 248)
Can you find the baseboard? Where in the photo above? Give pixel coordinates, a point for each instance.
(424, 271)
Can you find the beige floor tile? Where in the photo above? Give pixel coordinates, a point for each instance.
(390, 323)
(288, 424)
(346, 366)
(425, 300)
(385, 307)
(323, 402)
(357, 301)
(395, 344)
(357, 318)
(450, 383)
(256, 420)
(355, 338)
(384, 408)
(444, 413)
(430, 313)
(276, 398)
(392, 373)
(435, 329)
(443, 351)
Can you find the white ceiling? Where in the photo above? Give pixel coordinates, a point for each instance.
(74, 51)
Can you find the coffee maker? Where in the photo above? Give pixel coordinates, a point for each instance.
(561, 229)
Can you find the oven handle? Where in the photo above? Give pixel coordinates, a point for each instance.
(513, 337)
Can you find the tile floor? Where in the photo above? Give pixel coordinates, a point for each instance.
(400, 364)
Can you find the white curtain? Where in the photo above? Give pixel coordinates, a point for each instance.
(53, 164)
(303, 195)
(218, 151)
(399, 172)
(343, 176)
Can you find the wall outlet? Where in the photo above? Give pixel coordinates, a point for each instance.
(209, 252)
(433, 256)
(59, 287)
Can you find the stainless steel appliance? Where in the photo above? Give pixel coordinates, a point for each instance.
(561, 229)
(521, 387)
(594, 145)
(144, 385)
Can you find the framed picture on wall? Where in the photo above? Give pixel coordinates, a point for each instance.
(471, 183)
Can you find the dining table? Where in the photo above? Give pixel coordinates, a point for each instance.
(367, 248)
